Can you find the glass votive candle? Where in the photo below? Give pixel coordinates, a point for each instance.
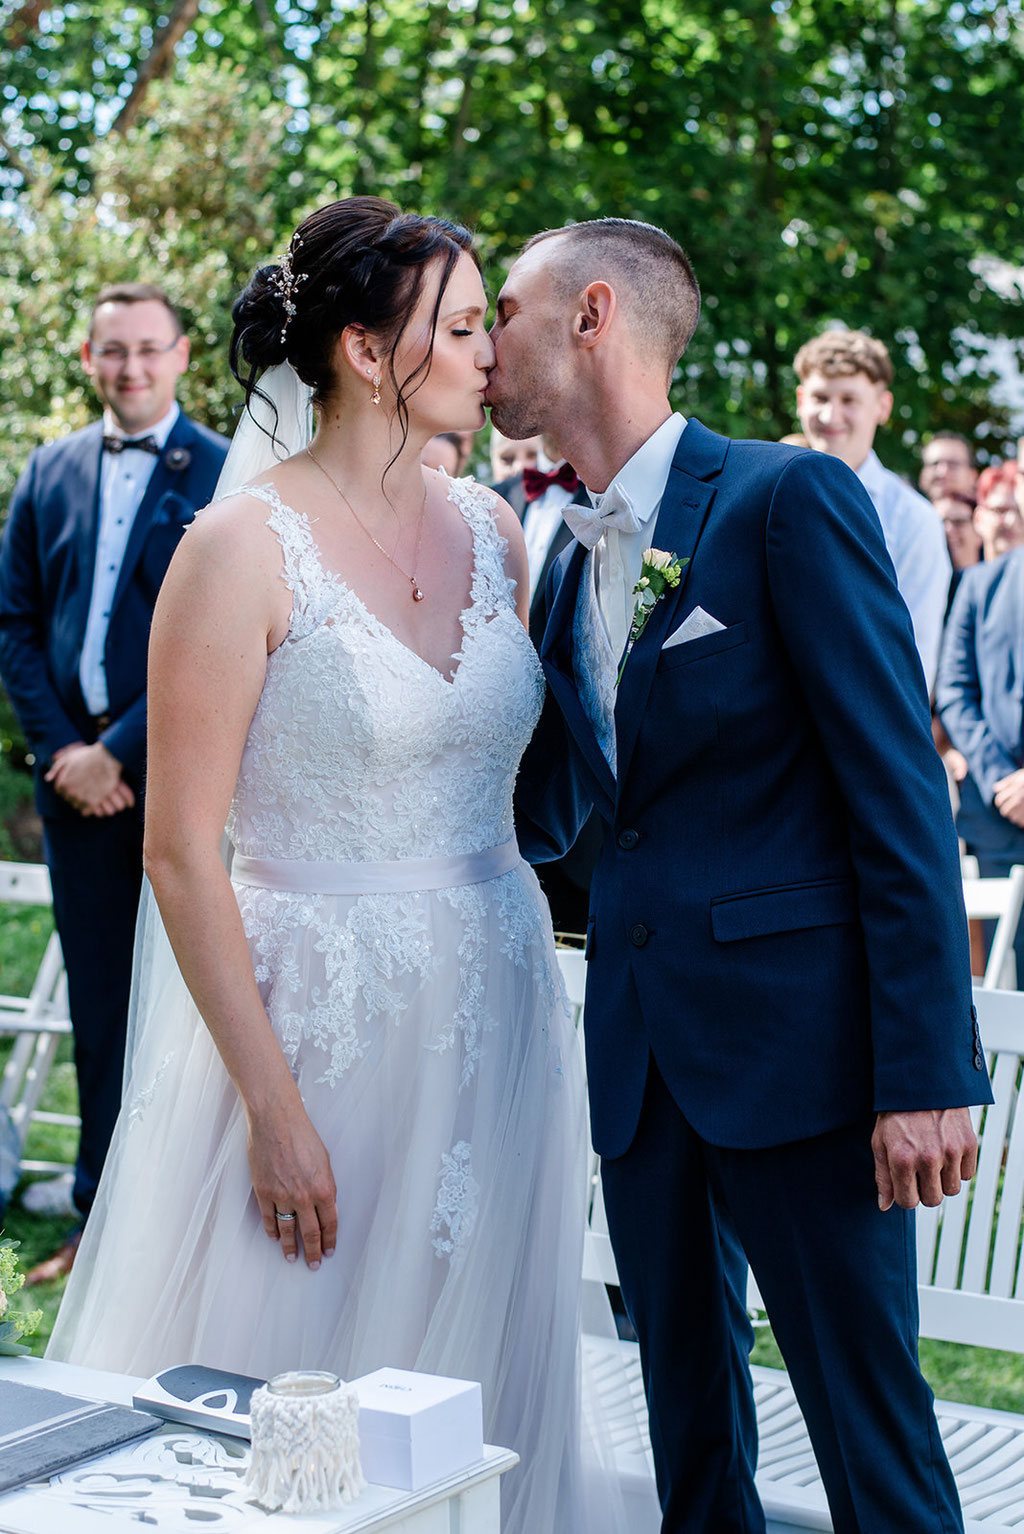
(305, 1443)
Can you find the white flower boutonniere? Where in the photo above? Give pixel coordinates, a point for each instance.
(658, 573)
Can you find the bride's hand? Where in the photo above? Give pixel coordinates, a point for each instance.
(291, 1173)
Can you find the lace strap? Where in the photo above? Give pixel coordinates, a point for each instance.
(303, 573)
(493, 588)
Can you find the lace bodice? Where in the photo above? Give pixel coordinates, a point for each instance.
(360, 750)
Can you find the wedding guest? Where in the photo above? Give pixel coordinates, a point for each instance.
(978, 693)
(947, 466)
(444, 452)
(538, 494)
(963, 541)
(93, 522)
(509, 458)
(844, 395)
(997, 516)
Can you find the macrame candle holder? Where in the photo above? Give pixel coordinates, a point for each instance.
(305, 1443)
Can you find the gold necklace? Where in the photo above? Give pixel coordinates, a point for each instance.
(417, 594)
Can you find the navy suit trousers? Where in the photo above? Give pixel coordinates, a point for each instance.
(96, 872)
(839, 1280)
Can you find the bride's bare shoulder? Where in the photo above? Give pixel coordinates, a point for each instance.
(232, 540)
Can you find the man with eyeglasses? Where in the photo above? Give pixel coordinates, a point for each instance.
(93, 522)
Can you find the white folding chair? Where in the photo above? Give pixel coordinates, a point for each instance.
(1001, 901)
(37, 1021)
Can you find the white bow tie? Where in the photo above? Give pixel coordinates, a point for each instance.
(589, 524)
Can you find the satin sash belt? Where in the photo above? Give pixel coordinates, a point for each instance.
(403, 876)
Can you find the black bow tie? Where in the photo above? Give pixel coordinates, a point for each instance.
(536, 481)
(144, 444)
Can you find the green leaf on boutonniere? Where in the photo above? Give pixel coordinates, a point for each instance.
(659, 572)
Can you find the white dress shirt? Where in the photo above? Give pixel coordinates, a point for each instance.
(618, 557)
(541, 521)
(604, 608)
(916, 541)
(124, 477)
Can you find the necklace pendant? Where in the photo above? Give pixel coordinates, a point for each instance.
(417, 594)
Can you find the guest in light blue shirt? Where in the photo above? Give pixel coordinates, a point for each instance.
(843, 396)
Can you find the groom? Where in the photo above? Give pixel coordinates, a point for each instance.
(780, 1038)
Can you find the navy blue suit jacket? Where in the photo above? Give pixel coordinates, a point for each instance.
(777, 911)
(980, 688)
(46, 573)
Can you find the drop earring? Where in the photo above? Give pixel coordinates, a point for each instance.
(375, 396)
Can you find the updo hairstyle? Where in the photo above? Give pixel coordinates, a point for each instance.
(359, 261)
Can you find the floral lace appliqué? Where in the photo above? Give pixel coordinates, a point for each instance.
(456, 1207)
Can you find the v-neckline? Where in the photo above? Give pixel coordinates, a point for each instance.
(374, 620)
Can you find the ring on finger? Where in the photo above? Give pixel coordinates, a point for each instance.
(285, 1217)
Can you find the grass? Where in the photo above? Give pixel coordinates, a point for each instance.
(24, 933)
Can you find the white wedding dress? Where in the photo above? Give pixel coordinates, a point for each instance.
(426, 1027)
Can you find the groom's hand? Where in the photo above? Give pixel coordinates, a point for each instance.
(921, 1156)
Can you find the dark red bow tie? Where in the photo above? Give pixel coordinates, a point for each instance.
(535, 481)
(144, 444)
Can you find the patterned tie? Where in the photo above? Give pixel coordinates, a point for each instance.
(144, 444)
(536, 481)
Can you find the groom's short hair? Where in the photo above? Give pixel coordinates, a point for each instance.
(651, 274)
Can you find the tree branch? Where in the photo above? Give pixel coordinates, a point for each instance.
(24, 22)
(158, 62)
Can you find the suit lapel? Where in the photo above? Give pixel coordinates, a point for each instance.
(162, 482)
(685, 504)
(80, 486)
(560, 541)
(556, 655)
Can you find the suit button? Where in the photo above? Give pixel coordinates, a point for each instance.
(979, 1060)
(638, 935)
(628, 839)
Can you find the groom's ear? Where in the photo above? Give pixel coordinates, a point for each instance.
(594, 316)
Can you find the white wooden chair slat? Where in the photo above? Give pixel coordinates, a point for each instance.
(37, 1021)
(1001, 900)
(1005, 1275)
(984, 1193)
(25, 884)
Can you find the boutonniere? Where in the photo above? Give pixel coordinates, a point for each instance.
(658, 573)
(177, 458)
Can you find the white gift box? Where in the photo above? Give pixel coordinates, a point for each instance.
(415, 1429)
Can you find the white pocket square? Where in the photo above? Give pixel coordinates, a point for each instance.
(693, 627)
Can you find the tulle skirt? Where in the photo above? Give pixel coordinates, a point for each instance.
(454, 1115)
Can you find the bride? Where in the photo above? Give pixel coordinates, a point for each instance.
(372, 1152)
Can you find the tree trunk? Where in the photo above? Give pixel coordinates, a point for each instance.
(158, 62)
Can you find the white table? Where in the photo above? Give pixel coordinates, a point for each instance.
(186, 1481)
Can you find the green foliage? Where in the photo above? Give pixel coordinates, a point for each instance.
(15, 1323)
(181, 201)
(841, 160)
